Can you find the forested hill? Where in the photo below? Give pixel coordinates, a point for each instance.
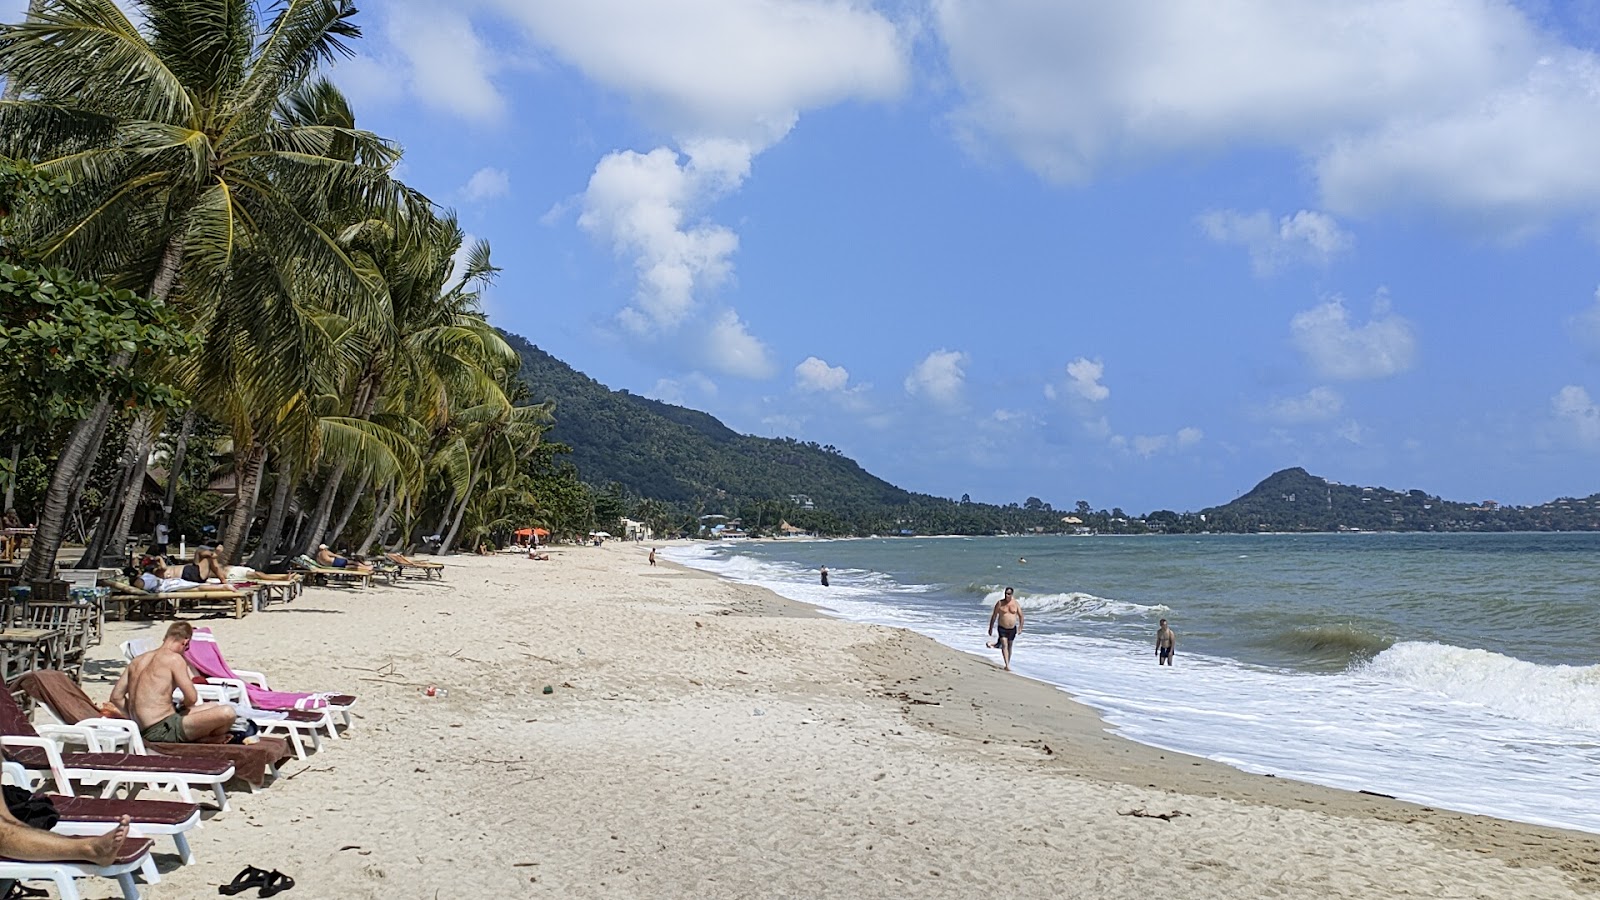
(1296, 500)
(683, 456)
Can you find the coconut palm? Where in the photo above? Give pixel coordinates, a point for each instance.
(186, 172)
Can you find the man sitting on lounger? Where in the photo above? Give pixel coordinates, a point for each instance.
(326, 557)
(144, 693)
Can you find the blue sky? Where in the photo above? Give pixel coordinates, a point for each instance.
(1139, 254)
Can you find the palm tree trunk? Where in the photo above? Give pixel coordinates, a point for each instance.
(83, 444)
(273, 533)
(11, 483)
(323, 510)
(380, 524)
(247, 491)
(175, 466)
(473, 471)
(144, 433)
(350, 507)
(449, 508)
(59, 497)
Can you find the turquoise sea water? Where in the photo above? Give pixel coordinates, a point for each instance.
(1457, 670)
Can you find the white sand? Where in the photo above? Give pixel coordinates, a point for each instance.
(706, 739)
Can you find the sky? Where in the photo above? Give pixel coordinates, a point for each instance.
(1140, 254)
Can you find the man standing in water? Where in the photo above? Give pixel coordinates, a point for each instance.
(1166, 644)
(824, 576)
(1008, 613)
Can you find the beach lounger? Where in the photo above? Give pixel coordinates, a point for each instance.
(307, 565)
(108, 770)
(205, 656)
(428, 569)
(295, 726)
(135, 856)
(126, 595)
(66, 704)
(92, 815)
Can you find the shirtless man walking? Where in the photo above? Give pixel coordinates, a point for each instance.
(145, 689)
(1008, 613)
(1166, 644)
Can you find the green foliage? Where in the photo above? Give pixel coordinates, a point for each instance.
(64, 342)
(690, 464)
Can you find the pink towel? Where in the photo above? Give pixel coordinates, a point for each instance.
(206, 657)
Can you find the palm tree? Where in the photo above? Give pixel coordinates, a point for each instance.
(184, 171)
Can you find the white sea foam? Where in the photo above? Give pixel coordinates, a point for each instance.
(1461, 729)
(1077, 604)
(1561, 696)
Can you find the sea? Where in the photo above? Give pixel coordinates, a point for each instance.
(1455, 670)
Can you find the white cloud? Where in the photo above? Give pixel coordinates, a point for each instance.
(445, 64)
(1083, 379)
(1148, 445)
(734, 68)
(1578, 414)
(1320, 404)
(939, 378)
(677, 390)
(1336, 349)
(1352, 431)
(1585, 329)
(813, 374)
(732, 349)
(1307, 236)
(486, 184)
(641, 203)
(1513, 157)
(1463, 106)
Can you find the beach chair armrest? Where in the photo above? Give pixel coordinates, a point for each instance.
(232, 689)
(73, 734)
(258, 679)
(52, 753)
(116, 732)
(218, 693)
(13, 773)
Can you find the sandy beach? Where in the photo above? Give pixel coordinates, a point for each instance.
(708, 739)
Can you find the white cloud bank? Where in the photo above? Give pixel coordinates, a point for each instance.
(813, 374)
(1578, 414)
(940, 378)
(1334, 348)
(487, 183)
(1459, 106)
(1305, 237)
(1320, 404)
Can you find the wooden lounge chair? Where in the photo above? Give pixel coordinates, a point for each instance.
(110, 771)
(92, 815)
(307, 565)
(126, 596)
(135, 856)
(428, 569)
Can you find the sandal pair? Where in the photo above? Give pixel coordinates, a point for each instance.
(270, 883)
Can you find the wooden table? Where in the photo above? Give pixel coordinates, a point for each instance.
(23, 650)
(11, 539)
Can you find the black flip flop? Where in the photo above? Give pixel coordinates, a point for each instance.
(277, 882)
(248, 877)
(20, 891)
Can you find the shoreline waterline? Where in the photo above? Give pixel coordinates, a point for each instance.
(1391, 728)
